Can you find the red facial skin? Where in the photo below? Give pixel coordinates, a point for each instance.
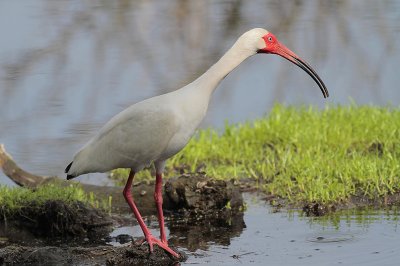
(273, 46)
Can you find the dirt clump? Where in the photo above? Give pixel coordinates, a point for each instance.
(57, 218)
(199, 195)
(317, 209)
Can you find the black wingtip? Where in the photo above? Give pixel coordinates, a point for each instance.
(67, 169)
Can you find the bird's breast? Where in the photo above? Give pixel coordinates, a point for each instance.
(190, 117)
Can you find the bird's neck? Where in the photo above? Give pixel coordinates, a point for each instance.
(209, 81)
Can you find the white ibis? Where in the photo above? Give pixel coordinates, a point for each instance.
(155, 129)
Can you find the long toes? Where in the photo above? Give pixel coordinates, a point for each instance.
(162, 245)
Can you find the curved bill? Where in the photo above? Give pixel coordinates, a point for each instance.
(292, 57)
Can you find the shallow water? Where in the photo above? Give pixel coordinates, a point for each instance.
(266, 237)
(66, 67)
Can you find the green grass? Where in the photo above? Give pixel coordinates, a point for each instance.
(12, 200)
(304, 154)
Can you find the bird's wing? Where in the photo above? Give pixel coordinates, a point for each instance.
(133, 138)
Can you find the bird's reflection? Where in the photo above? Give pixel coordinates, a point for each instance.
(199, 233)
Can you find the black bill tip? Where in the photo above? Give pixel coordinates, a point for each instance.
(307, 68)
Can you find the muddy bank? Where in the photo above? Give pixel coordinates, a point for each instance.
(101, 255)
(192, 233)
(193, 202)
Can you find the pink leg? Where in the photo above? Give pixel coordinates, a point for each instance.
(159, 201)
(128, 197)
(151, 240)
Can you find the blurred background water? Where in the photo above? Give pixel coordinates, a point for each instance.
(66, 67)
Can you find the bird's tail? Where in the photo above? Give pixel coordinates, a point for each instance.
(67, 170)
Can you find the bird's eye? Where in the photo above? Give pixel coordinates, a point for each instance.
(270, 38)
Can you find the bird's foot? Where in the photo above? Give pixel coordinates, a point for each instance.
(151, 241)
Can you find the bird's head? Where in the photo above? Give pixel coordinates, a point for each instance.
(260, 41)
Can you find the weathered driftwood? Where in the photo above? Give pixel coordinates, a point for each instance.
(19, 176)
(193, 192)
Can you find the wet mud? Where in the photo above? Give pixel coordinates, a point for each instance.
(198, 195)
(99, 255)
(198, 209)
